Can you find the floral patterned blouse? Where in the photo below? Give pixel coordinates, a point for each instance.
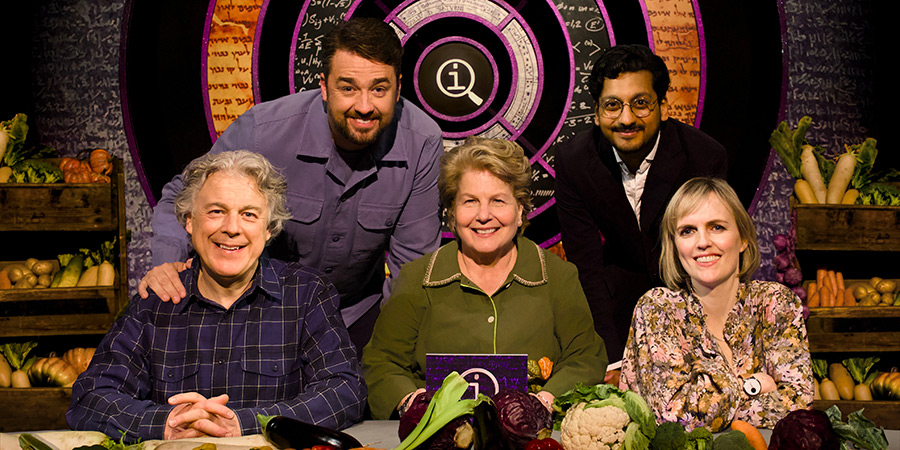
(672, 360)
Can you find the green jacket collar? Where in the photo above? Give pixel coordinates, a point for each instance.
(530, 268)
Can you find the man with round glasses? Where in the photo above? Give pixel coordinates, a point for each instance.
(613, 182)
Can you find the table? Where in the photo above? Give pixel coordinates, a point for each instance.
(375, 433)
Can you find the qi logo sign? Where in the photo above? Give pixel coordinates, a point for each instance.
(455, 89)
(455, 81)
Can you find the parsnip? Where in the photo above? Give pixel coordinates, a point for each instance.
(804, 192)
(850, 197)
(840, 179)
(107, 274)
(810, 169)
(89, 276)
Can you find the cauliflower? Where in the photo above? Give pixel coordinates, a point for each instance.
(594, 428)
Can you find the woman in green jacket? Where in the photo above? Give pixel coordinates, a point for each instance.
(490, 291)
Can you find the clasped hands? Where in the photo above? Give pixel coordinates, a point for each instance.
(194, 416)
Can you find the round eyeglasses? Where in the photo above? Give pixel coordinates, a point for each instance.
(611, 108)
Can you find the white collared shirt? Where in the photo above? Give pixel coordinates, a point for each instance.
(634, 184)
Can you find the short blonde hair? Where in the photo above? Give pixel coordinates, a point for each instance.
(268, 180)
(687, 199)
(502, 158)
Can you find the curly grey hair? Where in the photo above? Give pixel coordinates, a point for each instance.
(269, 182)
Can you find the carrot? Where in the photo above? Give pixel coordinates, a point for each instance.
(826, 296)
(840, 178)
(820, 277)
(811, 289)
(757, 441)
(809, 167)
(849, 299)
(5, 282)
(813, 300)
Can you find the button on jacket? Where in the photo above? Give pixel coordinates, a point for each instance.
(281, 349)
(344, 218)
(540, 310)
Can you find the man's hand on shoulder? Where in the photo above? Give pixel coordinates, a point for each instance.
(194, 415)
(164, 280)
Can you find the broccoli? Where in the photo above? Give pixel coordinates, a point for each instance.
(669, 436)
(731, 440)
(699, 438)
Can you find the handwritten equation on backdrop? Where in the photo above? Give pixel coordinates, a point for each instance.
(478, 67)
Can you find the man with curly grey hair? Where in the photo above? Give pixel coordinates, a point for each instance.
(254, 335)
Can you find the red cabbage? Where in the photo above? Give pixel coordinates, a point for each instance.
(522, 416)
(804, 429)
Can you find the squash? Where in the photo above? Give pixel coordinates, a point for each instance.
(79, 358)
(52, 371)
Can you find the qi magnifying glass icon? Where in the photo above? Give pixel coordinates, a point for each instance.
(455, 90)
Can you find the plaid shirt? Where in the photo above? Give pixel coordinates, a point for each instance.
(281, 349)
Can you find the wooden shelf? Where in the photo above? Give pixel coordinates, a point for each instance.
(848, 227)
(853, 342)
(854, 312)
(884, 413)
(42, 221)
(34, 409)
(851, 239)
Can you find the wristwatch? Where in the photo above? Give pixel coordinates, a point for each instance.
(752, 386)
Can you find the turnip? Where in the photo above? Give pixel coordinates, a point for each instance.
(811, 173)
(840, 178)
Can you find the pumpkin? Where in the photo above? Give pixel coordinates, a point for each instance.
(79, 358)
(52, 371)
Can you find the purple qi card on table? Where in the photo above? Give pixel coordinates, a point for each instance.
(486, 374)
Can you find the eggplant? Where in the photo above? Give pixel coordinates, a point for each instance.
(488, 431)
(286, 432)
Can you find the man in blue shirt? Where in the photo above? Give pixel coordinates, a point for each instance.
(253, 336)
(362, 167)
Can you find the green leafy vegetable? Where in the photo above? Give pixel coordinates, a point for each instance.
(865, 160)
(858, 430)
(35, 171)
(16, 354)
(859, 367)
(444, 407)
(879, 194)
(820, 368)
(788, 142)
(16, 129)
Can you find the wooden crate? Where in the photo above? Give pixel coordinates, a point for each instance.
(884, 413)
(34, 409)
(848, 227)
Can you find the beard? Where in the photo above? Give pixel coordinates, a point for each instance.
(340, 124)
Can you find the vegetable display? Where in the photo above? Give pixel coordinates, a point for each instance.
(830, 289)
(847, 179)
(83, 269)
(603, 416)
(445, 406)
(20, 163)
(286, 432)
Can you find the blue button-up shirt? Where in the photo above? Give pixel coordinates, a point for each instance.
(280, 349)
(345, 219)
